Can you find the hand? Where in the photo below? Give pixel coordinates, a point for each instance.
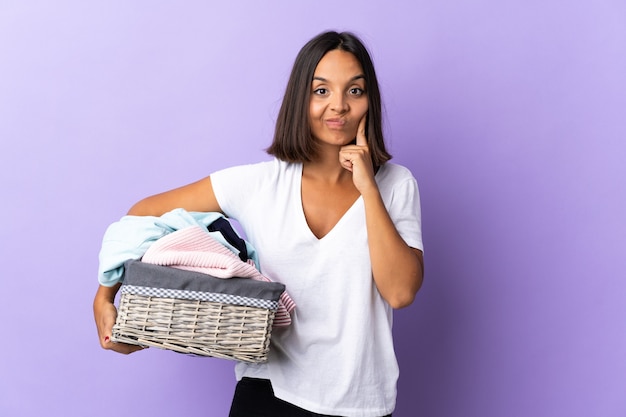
(105, 314)
(356, 159)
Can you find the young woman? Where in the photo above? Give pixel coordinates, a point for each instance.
(332, 220)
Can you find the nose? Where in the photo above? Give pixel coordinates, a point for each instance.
(339, 103)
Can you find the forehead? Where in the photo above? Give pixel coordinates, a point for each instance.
(338, 64)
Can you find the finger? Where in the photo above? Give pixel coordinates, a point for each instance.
(127, 349)
(105, 330)
(346, 160)
(361, 139)
(120, 347)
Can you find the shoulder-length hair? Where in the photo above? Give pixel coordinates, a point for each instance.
(293, 141)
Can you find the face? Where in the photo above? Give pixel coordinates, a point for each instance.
(338, 98)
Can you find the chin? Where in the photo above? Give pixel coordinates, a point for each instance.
(343, 140)
(337, 139)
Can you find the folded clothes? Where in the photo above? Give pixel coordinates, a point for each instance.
(146, 279)
(194, 249)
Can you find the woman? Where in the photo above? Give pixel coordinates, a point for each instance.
(335, 222)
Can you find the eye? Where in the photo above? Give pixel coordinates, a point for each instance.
(320, 91)
(356, 91)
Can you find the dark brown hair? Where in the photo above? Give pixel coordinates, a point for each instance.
(292, 137)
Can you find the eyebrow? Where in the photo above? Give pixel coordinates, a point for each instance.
(356, 77)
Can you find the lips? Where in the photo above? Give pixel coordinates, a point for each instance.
(335, 123)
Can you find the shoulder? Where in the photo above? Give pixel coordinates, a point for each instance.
(272, 165)
(397, 185)
(390, 174)
(273, 171)
(248, 170)
(254, 176)
(243, 186)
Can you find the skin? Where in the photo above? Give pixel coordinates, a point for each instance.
(344, 171)
(341, 173)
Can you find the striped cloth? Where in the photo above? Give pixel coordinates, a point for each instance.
(193, 249)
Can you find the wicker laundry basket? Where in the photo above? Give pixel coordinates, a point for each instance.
(194, 313)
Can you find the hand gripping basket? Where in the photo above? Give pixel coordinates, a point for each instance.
(195, 313)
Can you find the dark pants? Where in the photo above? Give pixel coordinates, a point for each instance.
(255, 398)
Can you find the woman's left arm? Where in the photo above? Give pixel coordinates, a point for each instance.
(397, 268)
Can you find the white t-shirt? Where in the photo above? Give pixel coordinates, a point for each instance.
(337, 357)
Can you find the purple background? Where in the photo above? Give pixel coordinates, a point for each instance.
(511, 114)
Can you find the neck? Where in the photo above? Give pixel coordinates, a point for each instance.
(326, 166)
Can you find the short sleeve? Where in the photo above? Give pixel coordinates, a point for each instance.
(407, 214)
(402, 198)
(236, 187)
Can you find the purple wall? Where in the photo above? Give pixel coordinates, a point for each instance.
(511, 114)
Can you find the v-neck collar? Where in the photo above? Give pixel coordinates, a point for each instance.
(302, 216)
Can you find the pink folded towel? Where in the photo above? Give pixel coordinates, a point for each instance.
(193, 249)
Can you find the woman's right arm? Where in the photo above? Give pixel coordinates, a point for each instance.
(199, 197)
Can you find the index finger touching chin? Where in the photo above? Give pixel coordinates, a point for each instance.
(361, 139)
